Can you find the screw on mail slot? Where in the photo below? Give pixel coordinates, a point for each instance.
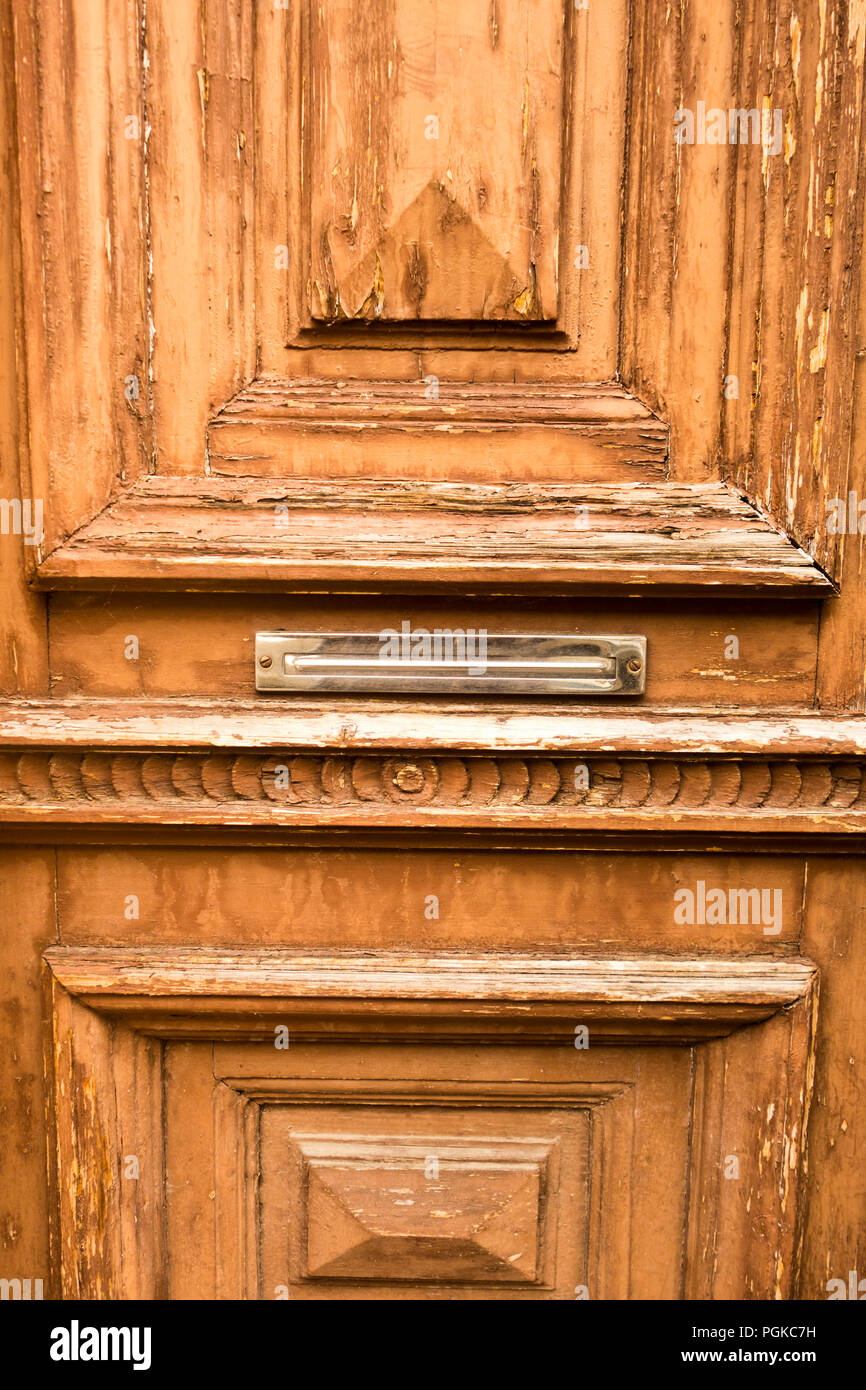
(450, 661)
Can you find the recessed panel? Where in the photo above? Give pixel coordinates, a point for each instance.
(434, 139)
(397, 1207)
(418, 1195)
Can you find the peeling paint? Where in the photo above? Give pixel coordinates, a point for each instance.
(818, 355)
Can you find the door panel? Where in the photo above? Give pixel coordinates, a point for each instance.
(435, 155)
(338, 319)
(531, 898)
(310, 1130)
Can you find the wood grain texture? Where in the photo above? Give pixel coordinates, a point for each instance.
(87, 1159)
(82, 187)
(460, 431)
(109, 1239)
(202, 272)
(433, 154)
(160, 158)
(835, 1224)
(748, 1182)
(675, 241)
(691, 665)
(212, 653)
(278, 230)
(387, 725)
(590, 243)
(766, 231)
(136, 972)
(573, 1128)
(168, 532)
(29, 926)
(842, 649)
(231, 1105)
(797, 219)
(357, 1224)
(23, 664)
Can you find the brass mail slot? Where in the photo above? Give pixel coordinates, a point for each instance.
(450, 661)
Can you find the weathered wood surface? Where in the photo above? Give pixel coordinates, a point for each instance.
(222, 1095)
(106, 1240)
(765, 235)
(200, 153)
(241, 1132)
(682, 993)
(199, 300)
(433, 153)
(382, 896)
(552, 770)
(83, 335)
(29, 926)
(746, 1229)
(675, 240)
(23, 663)
(157, 216)
(462, 431)
(165, 532)
(317, 724)
(842, 650)
(835, 1213)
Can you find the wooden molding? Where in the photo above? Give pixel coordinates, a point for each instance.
(179, 993)
(613, 793)
(383, 725)
(99, 764)
(520, 432)
(197, 533)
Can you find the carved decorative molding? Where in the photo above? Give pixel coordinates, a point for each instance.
(302, 765)
(292, 788)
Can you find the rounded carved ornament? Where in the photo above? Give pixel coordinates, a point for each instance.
(408, 777)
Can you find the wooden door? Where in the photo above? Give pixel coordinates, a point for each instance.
(518, 317)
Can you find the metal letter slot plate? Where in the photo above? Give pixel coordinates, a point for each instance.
(449, 661)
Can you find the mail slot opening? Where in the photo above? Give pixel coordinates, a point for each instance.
(457, 662)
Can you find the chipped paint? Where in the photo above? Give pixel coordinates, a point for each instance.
(795, 51)
(526, 304)
(789, 143)
(801, 320)
(373, 305)
(818, 355)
